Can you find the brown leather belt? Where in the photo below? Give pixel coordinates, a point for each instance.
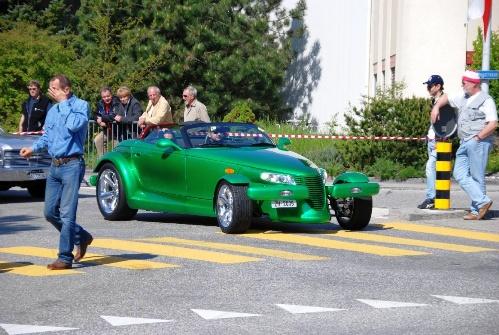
(64, 160)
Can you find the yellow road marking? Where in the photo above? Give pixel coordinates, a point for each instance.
(454, 232)
(407, 241)
(26, 269)
(239, 248)
(113, 261)
(172, 251)
(333, 244)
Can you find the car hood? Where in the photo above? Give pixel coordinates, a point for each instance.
(9, 141)
(271, 159)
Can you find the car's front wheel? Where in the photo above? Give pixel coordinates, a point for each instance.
(352, 213)
(111, 197)
(233, 208)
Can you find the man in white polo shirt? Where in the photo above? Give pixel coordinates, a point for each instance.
(477, 121)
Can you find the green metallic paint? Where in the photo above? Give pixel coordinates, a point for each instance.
(351, 177)
(345, 190)
(168, 178)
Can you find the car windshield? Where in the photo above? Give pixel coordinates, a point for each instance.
(226, 134)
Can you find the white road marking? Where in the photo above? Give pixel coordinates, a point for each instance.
(389, 304)
(14, 329)
(208, 314)
(125, 321)
(299, 309)
(465, 300)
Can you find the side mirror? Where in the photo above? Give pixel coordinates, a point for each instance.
(167, 143)
(282, 142)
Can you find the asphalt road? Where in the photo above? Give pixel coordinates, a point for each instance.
(410, 272)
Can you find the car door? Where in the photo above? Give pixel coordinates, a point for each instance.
(161, 170)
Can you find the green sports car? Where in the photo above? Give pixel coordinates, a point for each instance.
(231, 171)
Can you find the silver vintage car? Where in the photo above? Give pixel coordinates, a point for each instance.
(18, 171)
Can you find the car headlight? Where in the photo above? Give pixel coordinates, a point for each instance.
(323, 174)
(277, 178)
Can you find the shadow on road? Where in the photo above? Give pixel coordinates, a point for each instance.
(11, 224)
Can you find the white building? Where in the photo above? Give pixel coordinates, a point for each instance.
(368, 42)
(410, 40)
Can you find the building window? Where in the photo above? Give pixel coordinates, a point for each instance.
(393, 75)
(384, 78)
(375, 82)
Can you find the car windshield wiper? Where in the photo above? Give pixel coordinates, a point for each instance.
(263, 144)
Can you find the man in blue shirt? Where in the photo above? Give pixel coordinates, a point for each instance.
(64, 136)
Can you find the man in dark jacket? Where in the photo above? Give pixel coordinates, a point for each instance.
(128, 114)
(34, 109)
(107, 109)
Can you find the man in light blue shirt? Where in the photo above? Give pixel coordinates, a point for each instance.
(64, 136)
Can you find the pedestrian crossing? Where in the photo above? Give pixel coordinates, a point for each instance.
(166, 252)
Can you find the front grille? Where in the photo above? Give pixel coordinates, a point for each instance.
(315, 189)
(12, 159)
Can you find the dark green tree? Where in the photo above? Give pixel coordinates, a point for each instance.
(230, 50)
(27, 52)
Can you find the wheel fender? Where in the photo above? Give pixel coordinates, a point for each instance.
(351, 177)
(236, 179)
(124, 168)
(352, 184)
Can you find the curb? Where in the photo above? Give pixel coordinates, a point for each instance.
(432, 214)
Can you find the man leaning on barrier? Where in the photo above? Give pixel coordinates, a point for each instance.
(435, 87)
(477, 121)
(107, 109)
(128, 114)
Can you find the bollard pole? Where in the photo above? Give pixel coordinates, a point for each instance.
(443, 169)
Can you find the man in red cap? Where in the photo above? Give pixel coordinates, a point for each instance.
(477, 121)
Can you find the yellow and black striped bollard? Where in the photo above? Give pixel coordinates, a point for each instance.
(443, 169)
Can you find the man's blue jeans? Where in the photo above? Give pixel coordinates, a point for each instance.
(61, 202)
(469, 170)
(431, 173)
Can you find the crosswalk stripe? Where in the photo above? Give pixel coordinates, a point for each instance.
(26, 269)
(333, 244)
(445, 231)
(407, 241)
(238, 248)
(114, 261)
(173, 251)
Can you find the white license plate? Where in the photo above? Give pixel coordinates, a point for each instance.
(284, 203)
(37, 175)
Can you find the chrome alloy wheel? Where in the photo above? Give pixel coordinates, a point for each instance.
(108, 191)
(225, 205)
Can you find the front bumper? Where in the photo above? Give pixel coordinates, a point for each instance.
(307, 211)
(15, 175)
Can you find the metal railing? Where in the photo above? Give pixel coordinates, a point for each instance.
(101, 140)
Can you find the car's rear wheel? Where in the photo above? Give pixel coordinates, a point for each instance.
(37, 189)
(111, 197)
(233, 208)
(352, 213)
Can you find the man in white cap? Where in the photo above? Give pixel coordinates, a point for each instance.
(477, 121)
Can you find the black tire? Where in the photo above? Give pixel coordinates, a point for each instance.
(111, 197)
(37, 189)
(233, 208)
(352, 213)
